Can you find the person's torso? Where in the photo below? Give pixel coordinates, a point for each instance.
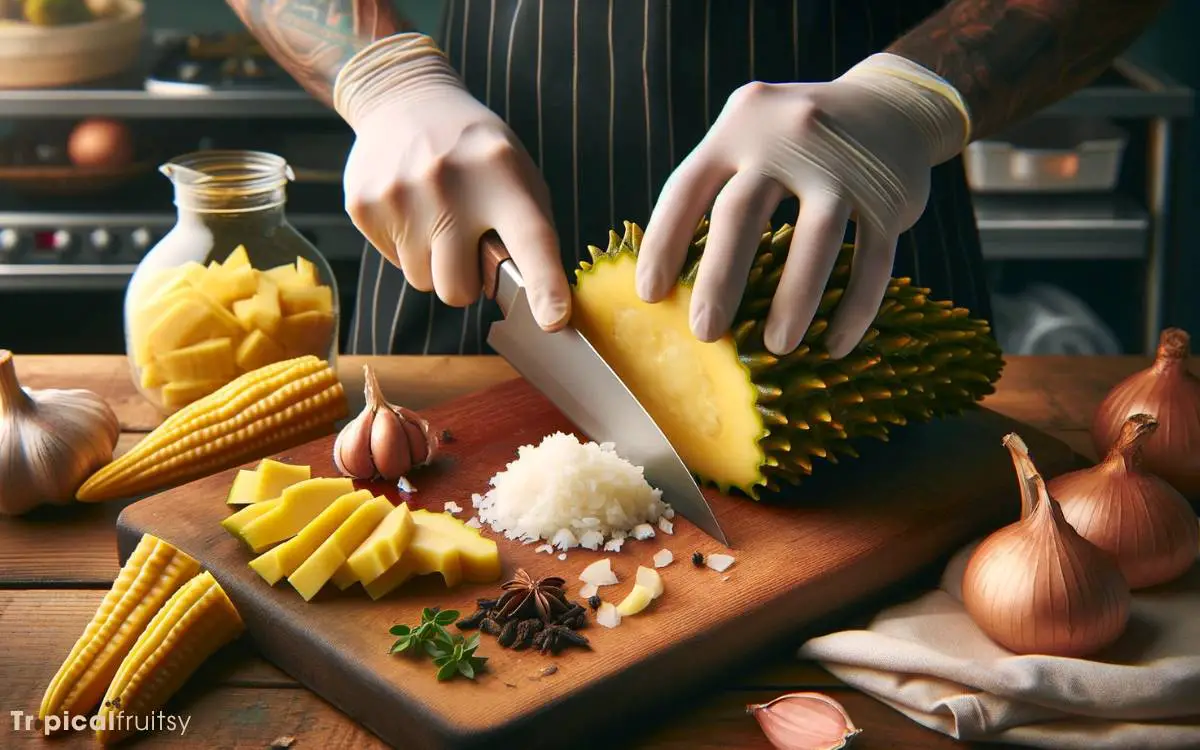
(609, 95)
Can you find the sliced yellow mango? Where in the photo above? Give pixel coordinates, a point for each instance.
(260, 312)
(381, 550)
(267, 481)
(151, 377)
(281, 561)
(208, 360)
(321, 565)
(306, 272)
(344, 577)
(178, 395)
(285, 276)
(429, 551)
(258, 350)
(187, 321)
(227, 285)
(238, 258)
(480, 556)
(193, 273)
(238, 521)
(306, 333)
(298, 505)
(244, 488)
(295, 300)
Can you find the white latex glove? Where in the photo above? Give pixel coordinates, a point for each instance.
(433, 169)
(860, 146)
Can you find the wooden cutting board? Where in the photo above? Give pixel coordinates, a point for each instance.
(848, 533)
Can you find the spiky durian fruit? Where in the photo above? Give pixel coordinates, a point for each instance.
(744, 418)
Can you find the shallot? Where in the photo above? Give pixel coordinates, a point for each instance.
(805, 721)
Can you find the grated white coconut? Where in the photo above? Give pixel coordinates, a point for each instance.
(608, 615)
(452, 507)
(665, 525)
(568, 493)
(642, 531)
(614, 545)
(663, 558)
(548, 549)
(718, 562)
(475, 523)
(562, 556)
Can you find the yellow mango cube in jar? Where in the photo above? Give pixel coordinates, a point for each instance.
(233, 287)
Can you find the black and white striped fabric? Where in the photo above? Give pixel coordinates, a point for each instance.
(609, 95)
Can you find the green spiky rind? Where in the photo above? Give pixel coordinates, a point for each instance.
(921, 359)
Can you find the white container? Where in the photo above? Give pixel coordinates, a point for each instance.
(1048, 155)
(49, 56)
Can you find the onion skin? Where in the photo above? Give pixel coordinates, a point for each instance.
(1036, 586)
(1138, 518)
(1171, 393)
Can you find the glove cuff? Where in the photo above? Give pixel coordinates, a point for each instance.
(934, 106)
(407, 66)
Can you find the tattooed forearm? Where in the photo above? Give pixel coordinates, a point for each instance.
(1010, 58)
(313, 39)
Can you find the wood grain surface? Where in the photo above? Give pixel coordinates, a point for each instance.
(847, 533)
(239, 701)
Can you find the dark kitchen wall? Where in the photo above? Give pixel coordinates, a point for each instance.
(215, 15)
(1170, 45)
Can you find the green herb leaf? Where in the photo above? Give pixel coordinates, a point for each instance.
(446, 618)
(447, 670)
(472, 642)
(434, 649)
(443, 660)
(427, 615)
(401, 645)
(466, 670)
(399, 630)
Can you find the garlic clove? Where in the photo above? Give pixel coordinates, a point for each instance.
(805, 721)
(418, 446)
(353, 447)
(389, 445)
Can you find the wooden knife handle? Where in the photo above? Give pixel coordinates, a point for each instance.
(492, 253)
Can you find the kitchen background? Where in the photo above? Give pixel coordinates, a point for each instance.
(1085, 211)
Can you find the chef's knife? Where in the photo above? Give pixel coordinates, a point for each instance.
(566, 368)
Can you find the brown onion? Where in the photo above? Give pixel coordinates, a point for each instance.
(1138, 518)
(1172, 394)
(1036, 586)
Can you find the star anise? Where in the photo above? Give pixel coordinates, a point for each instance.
(525, 596)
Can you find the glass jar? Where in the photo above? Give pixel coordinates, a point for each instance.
(232, 287)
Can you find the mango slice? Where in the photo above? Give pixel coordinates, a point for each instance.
(306, 332)
(208, 360)
(225, 286)
(261, 312)
(237, 259)
(480, 556)
(281, 561)
(381, 550)
(258, 350)
(429, 551)
(238, 521)
(298, 505)
(267, 481)
(312, 575)
(244, 488)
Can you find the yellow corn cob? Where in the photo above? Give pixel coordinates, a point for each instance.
(197, 621)
(152, 574)
(275, 407)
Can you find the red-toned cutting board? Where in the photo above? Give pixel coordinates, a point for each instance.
(848, 533)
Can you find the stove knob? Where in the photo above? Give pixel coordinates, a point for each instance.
(101, 241)
(60, 242)
(141, 239)
(10, 242)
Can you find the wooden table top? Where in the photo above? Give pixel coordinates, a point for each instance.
(56, 564)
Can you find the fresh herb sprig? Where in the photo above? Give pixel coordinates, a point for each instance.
(452, 654)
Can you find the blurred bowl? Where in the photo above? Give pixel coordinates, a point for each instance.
(49, 56)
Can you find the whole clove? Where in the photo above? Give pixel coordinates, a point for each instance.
(489, 626)
(473, 620)
(698, 559)
(532, 613)
(594, 601)
(447, 436)
(508, 634)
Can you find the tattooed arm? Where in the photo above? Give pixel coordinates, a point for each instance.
(1010, 58)
(313, 39)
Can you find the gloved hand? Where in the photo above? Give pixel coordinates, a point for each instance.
(859, 147)
(432, 169)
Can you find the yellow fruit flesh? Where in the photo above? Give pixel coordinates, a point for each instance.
(244, 488)
(194, 305)
(284, 559)
(429, 551)
(698, 393)
(149, 577)
(208, 360)
(480, 556)
(238, 521)
(309, 578)
(298, 505)
(197, 621)
(381, 550)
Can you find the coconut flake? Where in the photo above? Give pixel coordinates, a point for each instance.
(452, 508)
(591, 540)
(476, 500)
(474, 522)
(588, 590)
(618, 534)
(614, 545)
(564, 539)
(608, 616)
(719, 562)
(562, 556)
(548, 549)
(668, 512)
(642, 532)
(666, 526)
(599, 573)
(404, 485)
(663, 558)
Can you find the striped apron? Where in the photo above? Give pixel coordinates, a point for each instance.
(609, 95)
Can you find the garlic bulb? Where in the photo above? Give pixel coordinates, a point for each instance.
(50, 441)
(805, 721)
(384, 441)
(1138, 518)
(1171, 393)
(1036, 586)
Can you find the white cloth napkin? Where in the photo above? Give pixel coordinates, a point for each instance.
(928, 660)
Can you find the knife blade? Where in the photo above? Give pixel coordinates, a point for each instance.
(569, 371)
